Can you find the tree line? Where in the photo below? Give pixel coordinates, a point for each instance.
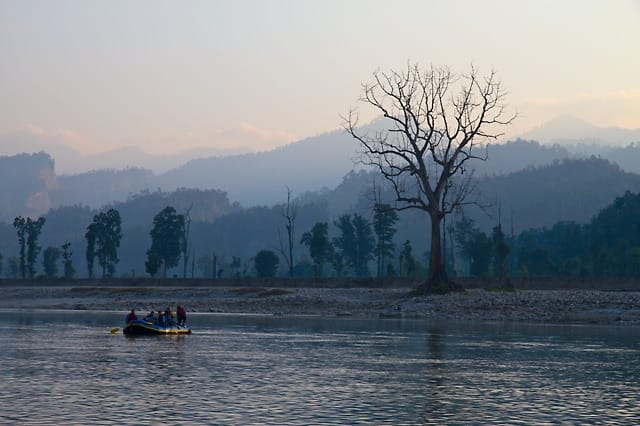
(352, 245)
(609, 245)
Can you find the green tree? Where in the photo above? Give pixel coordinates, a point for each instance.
(90, 254)
(167, 237)
(384, 220)
(500, 251)
(407, 260)
(433, 123)
(463, 233)
(266, 263)
(185, 240)
(34, 227)
(103, 239)
(346, 246)
(51, 256)
(480, 249)
(28, 233)
(355, 244)
(20, 224)
(67, 261)
(365, 245)
(320, 248)
(153, 263)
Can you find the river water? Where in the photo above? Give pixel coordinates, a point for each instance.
(65, 367)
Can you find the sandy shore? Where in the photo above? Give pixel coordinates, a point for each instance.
(550, 306)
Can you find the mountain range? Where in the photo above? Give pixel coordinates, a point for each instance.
(564, 130)
(313, 165)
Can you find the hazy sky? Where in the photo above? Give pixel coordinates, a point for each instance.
(170, 75)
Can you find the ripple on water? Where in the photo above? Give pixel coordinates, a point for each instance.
(311, 371)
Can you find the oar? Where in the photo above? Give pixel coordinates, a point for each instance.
(114, 330)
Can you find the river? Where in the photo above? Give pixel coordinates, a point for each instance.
(65, 367)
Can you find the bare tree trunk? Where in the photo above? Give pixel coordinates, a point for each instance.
(437, 269)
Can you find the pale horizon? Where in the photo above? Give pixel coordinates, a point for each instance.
(167, 77)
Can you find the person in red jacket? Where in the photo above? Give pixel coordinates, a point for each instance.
(182, 315)
(131, 316)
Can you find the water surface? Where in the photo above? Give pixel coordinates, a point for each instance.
(66, 367)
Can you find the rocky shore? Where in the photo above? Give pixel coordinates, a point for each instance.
(549, 306)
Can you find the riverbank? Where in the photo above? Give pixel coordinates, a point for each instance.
(548, 306)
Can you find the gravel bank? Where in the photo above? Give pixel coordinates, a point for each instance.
(550, 306)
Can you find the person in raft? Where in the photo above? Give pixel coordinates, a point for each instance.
(131, 316)
(182, 315)
(161, 319)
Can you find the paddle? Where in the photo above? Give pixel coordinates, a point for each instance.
(114, 330)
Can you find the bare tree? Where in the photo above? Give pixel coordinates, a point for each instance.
(289, 213)
(433, 122)
(185, 241)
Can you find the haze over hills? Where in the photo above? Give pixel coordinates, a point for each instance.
(574, 134)
(70, 161)
(312, 164)
(569, 130)
(262, 178)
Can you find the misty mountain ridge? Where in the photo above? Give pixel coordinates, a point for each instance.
(69, 161)
(570, 131)
(577, 135)
(311, 165)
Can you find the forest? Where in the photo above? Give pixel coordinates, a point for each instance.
(543, 213)
(301, 238)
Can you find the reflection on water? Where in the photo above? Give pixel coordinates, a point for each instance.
(65, 367)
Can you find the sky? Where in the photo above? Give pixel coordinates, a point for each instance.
(167, 76)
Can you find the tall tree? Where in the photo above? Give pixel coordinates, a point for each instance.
(51, 256)
(103, 239)
(90, 254)
(355, 243)
(407, 260)
(500, 250)
(67, 260)
(346, 246)
(320, 248)
(384, 220)
(365, 244)
(34, 227)
(266, 263)
(166, 240)
(434, 122)
(289, 213)
(185, 240)
(20, 224)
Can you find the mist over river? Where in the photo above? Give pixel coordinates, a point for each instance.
(65, 367)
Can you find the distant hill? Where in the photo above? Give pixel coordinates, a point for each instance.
(262, 178)
(26, 181)
(101, 187)
(310, 165)
(568, 130)
(569, 189)
(70, 161)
